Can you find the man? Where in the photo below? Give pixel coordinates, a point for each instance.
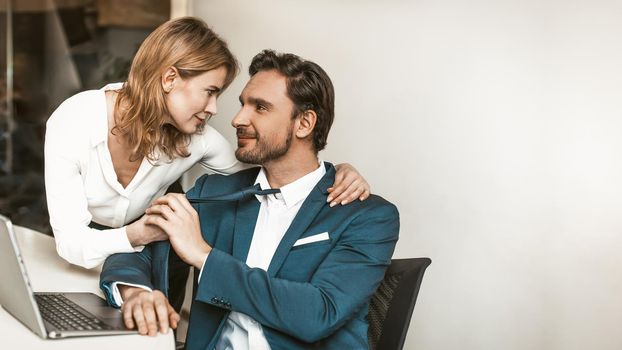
(280, 271)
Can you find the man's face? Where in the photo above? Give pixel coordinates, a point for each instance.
(264, 123)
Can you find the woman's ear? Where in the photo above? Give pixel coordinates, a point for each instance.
(306, 123)
(169, 77)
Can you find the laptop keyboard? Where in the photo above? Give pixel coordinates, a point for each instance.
(66, 315)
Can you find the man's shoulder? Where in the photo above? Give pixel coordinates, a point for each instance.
(374, 206)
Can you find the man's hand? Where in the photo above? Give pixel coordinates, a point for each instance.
(175, 216)
(147, 310)
(140, 233)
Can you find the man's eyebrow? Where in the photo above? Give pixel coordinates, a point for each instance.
(257, 101)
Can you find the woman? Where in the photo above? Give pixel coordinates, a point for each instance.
(109, 153)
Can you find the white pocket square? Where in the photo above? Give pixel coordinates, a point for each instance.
(315, 238)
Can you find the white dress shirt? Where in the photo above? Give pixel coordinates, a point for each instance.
(81, 184)
(276, 214)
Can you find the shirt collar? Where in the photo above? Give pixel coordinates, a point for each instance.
(296, 191)
(99, 133)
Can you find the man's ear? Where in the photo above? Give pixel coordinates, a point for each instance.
(306, 124)
(169, 77)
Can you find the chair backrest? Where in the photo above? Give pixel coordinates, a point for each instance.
(391, 307)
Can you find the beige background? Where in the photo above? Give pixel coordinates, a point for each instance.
(495, 127)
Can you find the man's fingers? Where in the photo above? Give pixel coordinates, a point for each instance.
(177, 202)
(186, 204)
(148, 312)
(139, 318)
(161, 209)
(157, 221)
(180, 203)
(172, 199)
(162, 200)
(162, 313)
(173, 317)
(150, 318)
(128, 319)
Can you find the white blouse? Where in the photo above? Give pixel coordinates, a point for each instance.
(81, 184)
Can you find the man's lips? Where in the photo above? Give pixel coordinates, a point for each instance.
(242, 136)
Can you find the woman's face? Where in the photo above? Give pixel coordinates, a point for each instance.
(191, 102)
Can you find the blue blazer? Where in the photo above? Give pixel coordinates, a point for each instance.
(314, 295)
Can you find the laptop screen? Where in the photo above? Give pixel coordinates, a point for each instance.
(16, 295)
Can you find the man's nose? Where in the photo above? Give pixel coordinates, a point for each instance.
(240, 119)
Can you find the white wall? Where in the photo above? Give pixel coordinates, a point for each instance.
(495, 126)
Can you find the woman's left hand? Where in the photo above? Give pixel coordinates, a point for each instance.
(349, 185)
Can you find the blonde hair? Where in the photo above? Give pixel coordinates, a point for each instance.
(187, 44)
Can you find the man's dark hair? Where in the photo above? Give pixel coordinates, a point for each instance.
(308, 86)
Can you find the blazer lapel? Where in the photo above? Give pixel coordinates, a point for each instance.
(245, 222)
(307, 213)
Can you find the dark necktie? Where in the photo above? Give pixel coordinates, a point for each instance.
(244, 193)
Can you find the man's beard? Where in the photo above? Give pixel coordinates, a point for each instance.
(263, 151)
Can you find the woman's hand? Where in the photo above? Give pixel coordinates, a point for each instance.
(349, 185)
(141, 233)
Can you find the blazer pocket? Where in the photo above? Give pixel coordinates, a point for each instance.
(320, 237)
(306, 247)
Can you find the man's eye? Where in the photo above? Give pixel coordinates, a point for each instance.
(261, 108)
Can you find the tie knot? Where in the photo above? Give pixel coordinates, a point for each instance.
(256, 190)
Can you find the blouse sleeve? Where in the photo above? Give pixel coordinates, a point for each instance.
(66, 142)
(219, 156)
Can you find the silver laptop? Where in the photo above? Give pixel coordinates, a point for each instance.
(50, 315)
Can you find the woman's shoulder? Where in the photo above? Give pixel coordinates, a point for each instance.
(83, 107)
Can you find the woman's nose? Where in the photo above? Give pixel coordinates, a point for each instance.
(211, 107)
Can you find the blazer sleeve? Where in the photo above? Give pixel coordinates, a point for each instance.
(132, 268)
(309, 311)
(135, 268)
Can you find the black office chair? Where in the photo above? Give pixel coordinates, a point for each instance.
(392, 305)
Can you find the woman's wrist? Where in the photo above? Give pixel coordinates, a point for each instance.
(132, 235)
